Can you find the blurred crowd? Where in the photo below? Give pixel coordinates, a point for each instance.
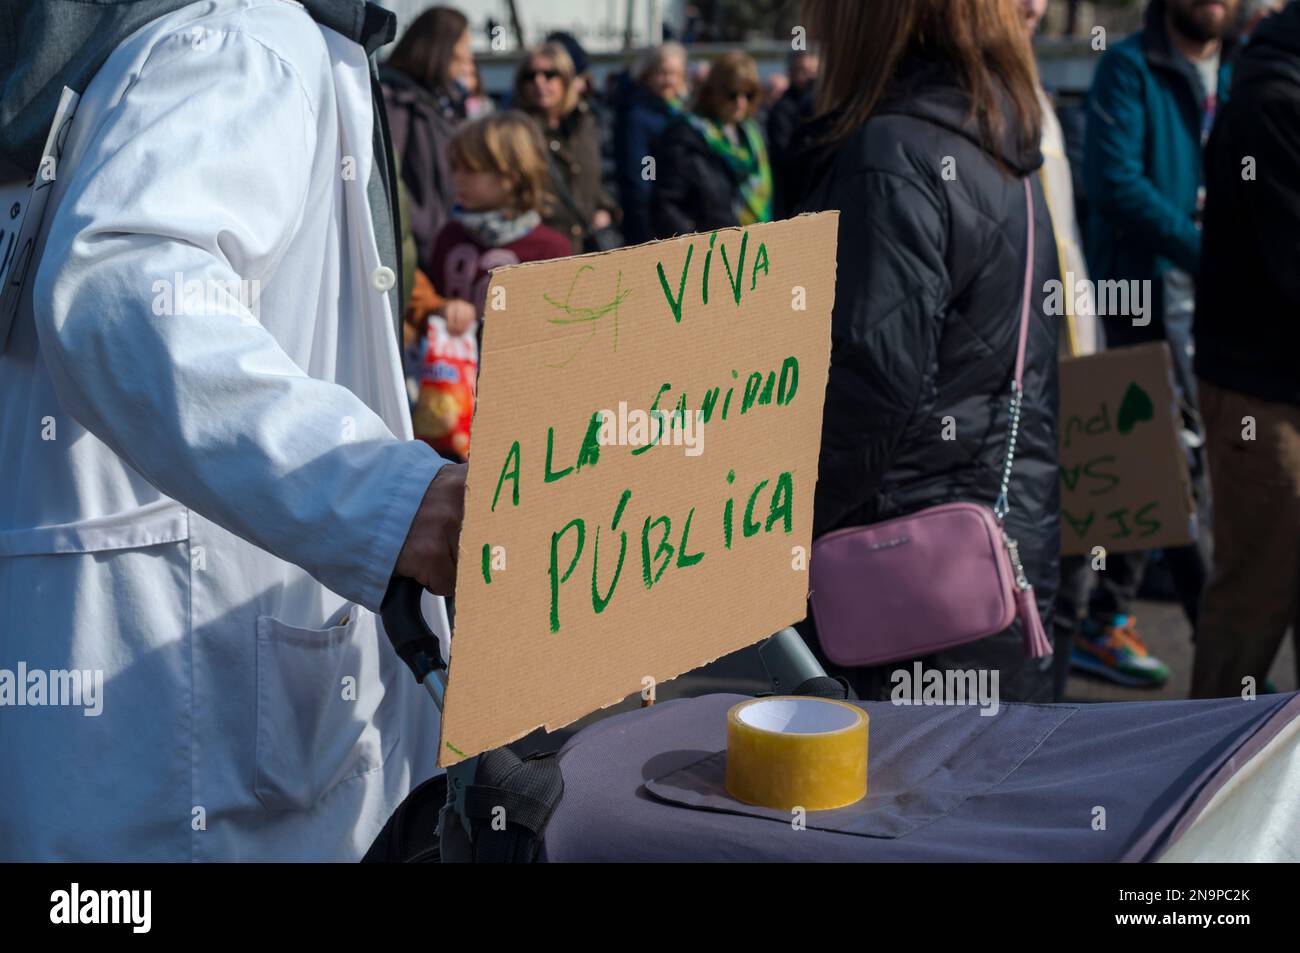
(1144, 182)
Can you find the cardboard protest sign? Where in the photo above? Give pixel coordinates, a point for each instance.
(1124, 480)
(640, 491)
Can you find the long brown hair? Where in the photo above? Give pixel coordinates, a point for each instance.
(984, 41)
(425, 50)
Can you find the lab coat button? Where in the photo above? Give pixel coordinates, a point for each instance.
(383, 278)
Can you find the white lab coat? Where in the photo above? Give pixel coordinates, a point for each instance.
(204, 506)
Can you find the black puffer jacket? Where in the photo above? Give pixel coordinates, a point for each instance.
(694, 190)
(927, 306)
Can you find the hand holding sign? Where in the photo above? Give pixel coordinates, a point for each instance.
(429, 555)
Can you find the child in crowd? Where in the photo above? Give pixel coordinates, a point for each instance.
(499, 171)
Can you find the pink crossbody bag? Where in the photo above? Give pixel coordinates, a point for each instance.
(941, 577)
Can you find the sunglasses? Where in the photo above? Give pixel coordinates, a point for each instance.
(547, 74)
(736, 94)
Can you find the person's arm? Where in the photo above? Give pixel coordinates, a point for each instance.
(673, 197)
(1114, 166)
(605, 202)
(201, 170)
(424, 301)
(631, 146)
(593, 170)
(781, 123)
(891, 285)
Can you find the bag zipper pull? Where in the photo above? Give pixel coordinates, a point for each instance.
(1037, 644)
(1013, 549)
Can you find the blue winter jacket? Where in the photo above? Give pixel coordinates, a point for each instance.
(1142, 158)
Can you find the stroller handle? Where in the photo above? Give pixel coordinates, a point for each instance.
(411, 637)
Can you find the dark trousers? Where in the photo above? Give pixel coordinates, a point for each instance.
(1099, 595)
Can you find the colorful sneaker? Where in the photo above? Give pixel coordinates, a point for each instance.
(1116, 652)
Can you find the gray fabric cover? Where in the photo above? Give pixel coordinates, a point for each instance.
(917, 774)
(1144, 763)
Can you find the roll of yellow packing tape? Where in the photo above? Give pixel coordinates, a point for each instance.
(791, 751)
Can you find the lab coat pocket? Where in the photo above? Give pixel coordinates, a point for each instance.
(318, 694)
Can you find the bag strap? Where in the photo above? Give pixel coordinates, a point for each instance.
(564, 195)
(1002, 506)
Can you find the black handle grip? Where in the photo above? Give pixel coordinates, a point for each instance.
(412, 639)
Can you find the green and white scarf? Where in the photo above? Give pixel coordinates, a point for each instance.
(747, 161)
